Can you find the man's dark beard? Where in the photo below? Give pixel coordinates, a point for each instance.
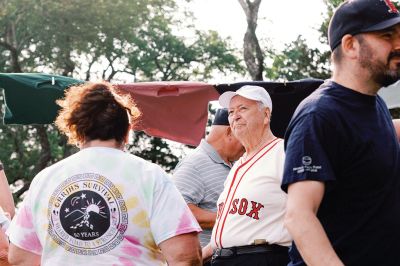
(381, 73)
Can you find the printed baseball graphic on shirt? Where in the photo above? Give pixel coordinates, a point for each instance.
(88, 215)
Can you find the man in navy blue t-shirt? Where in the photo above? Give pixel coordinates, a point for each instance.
(342, 168)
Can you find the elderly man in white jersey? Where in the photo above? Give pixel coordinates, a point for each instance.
(249, 228)
(201, 175)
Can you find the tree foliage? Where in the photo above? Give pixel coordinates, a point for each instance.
(298, 61)
(111, 40)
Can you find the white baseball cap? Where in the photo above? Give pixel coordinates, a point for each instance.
(251, 92)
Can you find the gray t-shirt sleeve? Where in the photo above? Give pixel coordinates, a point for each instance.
(189, 182)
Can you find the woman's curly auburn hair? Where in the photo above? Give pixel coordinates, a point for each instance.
(96, 111)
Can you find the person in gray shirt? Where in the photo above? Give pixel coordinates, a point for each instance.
(200, 176)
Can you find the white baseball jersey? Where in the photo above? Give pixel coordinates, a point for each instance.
(252, 204)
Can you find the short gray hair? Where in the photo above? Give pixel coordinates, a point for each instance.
(261, 105)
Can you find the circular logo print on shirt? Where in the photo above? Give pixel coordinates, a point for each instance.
(307, 160)
(88, 215)
(85, 210)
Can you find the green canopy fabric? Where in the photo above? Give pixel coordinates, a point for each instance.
(175, 110)
(30, 97)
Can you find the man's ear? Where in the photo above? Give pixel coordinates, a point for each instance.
(267, 113)
(350, 46)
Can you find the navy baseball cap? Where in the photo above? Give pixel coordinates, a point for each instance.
(359, 16)
(221, 117)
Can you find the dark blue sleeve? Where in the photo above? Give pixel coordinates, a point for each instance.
(310, 148)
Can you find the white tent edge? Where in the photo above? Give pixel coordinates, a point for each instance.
(391, 95)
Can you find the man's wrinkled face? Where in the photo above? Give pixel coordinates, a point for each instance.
(246, 118)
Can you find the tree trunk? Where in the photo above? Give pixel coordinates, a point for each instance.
(45, 156)
(10, 43)
(252, 53)
(69, 65)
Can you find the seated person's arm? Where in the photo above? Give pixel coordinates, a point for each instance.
(20, 257)
(207, 253)
(186, 180)
(3, 249)
(182, 250)
(396, 123)
(205, 218)
(6, 199)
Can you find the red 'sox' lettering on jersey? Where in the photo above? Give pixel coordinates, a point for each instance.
(241, 207)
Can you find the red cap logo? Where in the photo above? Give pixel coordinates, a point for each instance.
(391, 6)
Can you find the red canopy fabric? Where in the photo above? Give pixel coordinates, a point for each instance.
(174, 110)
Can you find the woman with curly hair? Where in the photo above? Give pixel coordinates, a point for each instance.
(102, 206)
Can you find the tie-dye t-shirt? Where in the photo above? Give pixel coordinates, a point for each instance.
(100, 206)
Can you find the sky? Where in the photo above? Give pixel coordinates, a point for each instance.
(281, 21)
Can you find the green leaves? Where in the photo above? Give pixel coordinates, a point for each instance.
(298, 61)
(159, 54)
(116, 40)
